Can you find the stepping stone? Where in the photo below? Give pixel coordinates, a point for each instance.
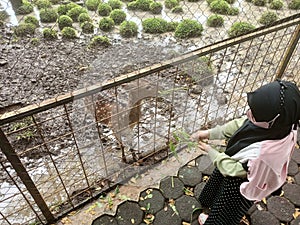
(188, 208)
(129, 212)
(293, 168)
(167, 216)
(281, 208)
(189, 175)
(205, 165)
(171, 187)
(296, 221)
(297, 178)
(263, 218)
(291, 192)
(151, 200)
(296, 155)
(198, 189)
(105, 219)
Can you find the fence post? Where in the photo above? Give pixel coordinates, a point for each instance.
(16, 163)
(288, 54)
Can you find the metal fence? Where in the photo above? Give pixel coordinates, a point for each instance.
(58, 154)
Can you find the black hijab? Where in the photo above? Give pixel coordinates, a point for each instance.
(278, 97)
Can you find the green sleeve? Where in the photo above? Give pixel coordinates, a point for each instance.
(227, 130)
(227, 165)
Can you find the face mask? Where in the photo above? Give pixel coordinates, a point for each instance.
(265, 125)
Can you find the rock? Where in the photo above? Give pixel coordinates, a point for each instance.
(281, 208)
(171, 187)
(188, 208)
(297, 178)
(296, 156)
(205, 164)
(105, 219)
(129, 212)
(3, 62)
(291, 192)
(296, 221)
(293, 168)
(263, 218)
(151, 200)
(167, 216)
(198, 189)
(190, 175)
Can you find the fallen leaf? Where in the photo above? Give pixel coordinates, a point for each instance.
(132, 221)
(66, 220)
(296, 213)
(185, 223)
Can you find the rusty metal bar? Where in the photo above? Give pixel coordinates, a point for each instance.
(63, 99)
(288, 54)
(16, 163)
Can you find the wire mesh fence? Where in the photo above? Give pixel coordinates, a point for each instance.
(59, 153)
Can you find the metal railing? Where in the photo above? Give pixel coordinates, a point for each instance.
(60, 153)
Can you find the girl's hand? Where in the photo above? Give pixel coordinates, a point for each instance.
(203, 146)
(200, 135)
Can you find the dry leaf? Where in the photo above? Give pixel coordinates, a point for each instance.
(66, 220)
(132, 221)
(296, 213)
(185, 223)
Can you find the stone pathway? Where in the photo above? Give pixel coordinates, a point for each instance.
(175, 200)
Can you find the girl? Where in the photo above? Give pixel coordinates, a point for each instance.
(255, 162)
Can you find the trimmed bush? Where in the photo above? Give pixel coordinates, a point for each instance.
(188, 28)
(177, 9)
(106, 24)
(48, 15)
(64, 21)
(230, 1)
(104, 9)
(171, 3)
(233, 11)
(239, 28)
(118, 16)
(215, 21)
(55, 1)
(154, 25)
(83, 17)
(156, 7)
(220, 7)
(276, 4)
(267, 18)
(24, 29)
(25, 8)
(115, 4)
(294, 4)
(63, 9)
(87, 27)
(34, 41)
(92, 4)
(69, 33)
(143, 5)
(259, 2)
(32, 19)
(49, 33)
(3, 17)
(171, 26)
(128, 29)
(43, 4)
(99, 41)
(75, 12)
(193, 0)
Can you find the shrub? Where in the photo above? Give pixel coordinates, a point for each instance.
(276, 4)
(92, 4)
(64, 21)
(267, 18)
(233, 11)
(259, 2)
(209, 1)
(193, 0)
(230, 1)
(106, 24)
(118, 16)
(3, 17)
(215, 21)
(171, 3)
(63, 9)
(48, 15)
(220, 6)
(239, 28)
(155, 7)
(32, 19)
(171, 26)
(143, 5)
(188, 28)
(294, 4)
(25, 8)
(177, 9)
(34, 41)
(87, 27)
(24, 29)
(104, 9)
(128, 29)
(68, 33)
(49, 33)
(99, 41)
(43, 4)
(75, 12)
(115, 4)
(83, 17)
(154, 25)
(55, 1)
